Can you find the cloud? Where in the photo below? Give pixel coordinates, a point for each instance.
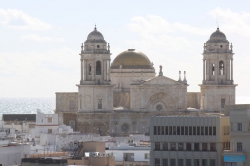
(158, 25)
(39, 73)
(38, 38)
(17, 19)
(233, 22)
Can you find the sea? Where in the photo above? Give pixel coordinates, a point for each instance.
(48, 105)
(26, 105)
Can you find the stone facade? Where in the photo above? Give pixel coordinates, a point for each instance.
(119, 98)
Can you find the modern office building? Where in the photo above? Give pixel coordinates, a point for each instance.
(189, 140)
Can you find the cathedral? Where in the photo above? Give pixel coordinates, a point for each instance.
(118, 98)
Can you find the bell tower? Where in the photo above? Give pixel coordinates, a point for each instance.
(217, 88)
(95, 91)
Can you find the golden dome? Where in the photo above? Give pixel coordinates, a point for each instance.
(131, 59)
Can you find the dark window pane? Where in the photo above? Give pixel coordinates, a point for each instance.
(174, 130)
(165, 162)
(210, 130)
(180, 162)
(196, 146)
(165, 146)
(202, 131)
(190, 130)
(188, 146)
(173, 146)
(172, 162)
(170, 130)
(188, 162)
(194, 130)
(157, 146)
(214, 130)
(204, 146)
(178, 130)
(182, 130)
(155, 130)
(180, 146)
(166, 130)
(212, 147)
(206, 130)
(157, 161)
(186, 130)
(198, 130)
(159, 130)
(162, 130)
(212, 162)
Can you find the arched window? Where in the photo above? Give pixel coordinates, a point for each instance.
(213, 69)
(89, 69)
(98, 68)
(221, 67)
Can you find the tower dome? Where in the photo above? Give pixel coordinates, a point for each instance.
(218, 37)
(131, 59)
(95, 36)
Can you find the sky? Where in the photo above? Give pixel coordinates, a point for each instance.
(40, 40)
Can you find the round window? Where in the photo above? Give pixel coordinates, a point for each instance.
(125, 127)
(159, 107)
(98, 46)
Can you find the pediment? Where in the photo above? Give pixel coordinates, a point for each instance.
(161, 80)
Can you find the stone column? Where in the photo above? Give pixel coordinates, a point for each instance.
(204, 69)
(232, 69)
(108, 71)
(81, 82)
(105, 70)
(85, 71)
(207, 70)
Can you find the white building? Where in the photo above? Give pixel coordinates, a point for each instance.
(239, 152)
(188, 140)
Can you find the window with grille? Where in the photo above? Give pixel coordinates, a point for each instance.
(99, 103)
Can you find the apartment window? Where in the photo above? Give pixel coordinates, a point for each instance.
(196, 146)
(223, 103)
(165, 162)
(180, 146)
(196, 162)
(162, 130)
(182, 130)
(212, 147)
(194, 130)
(174, 130)
(204, 146)
(165, 146)
(172, 162)
(212, 162)
(239, 146)
(198, 130)
(178, 130)
(49, 131)
(226, 146)
(157, 161)
(99, 103)
(146, 156)
(49, 119)
(173, 146)
(157, 146)
(231, 125)
(204, 162)
(202, 131)
(186, 130)
(206, 130)
(170, 130)
(210, 130)
(190, 130)
(166, 130)
(188, 162)
(188, 146)
(155, 130)
(239, 126)
(214, 130)
(159, 130)
(180, 162)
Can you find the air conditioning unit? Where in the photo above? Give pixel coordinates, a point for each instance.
(99, 154)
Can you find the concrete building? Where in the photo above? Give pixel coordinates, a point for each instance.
(239, 152)
(92, 153)
(188, 140)
(118, 98)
